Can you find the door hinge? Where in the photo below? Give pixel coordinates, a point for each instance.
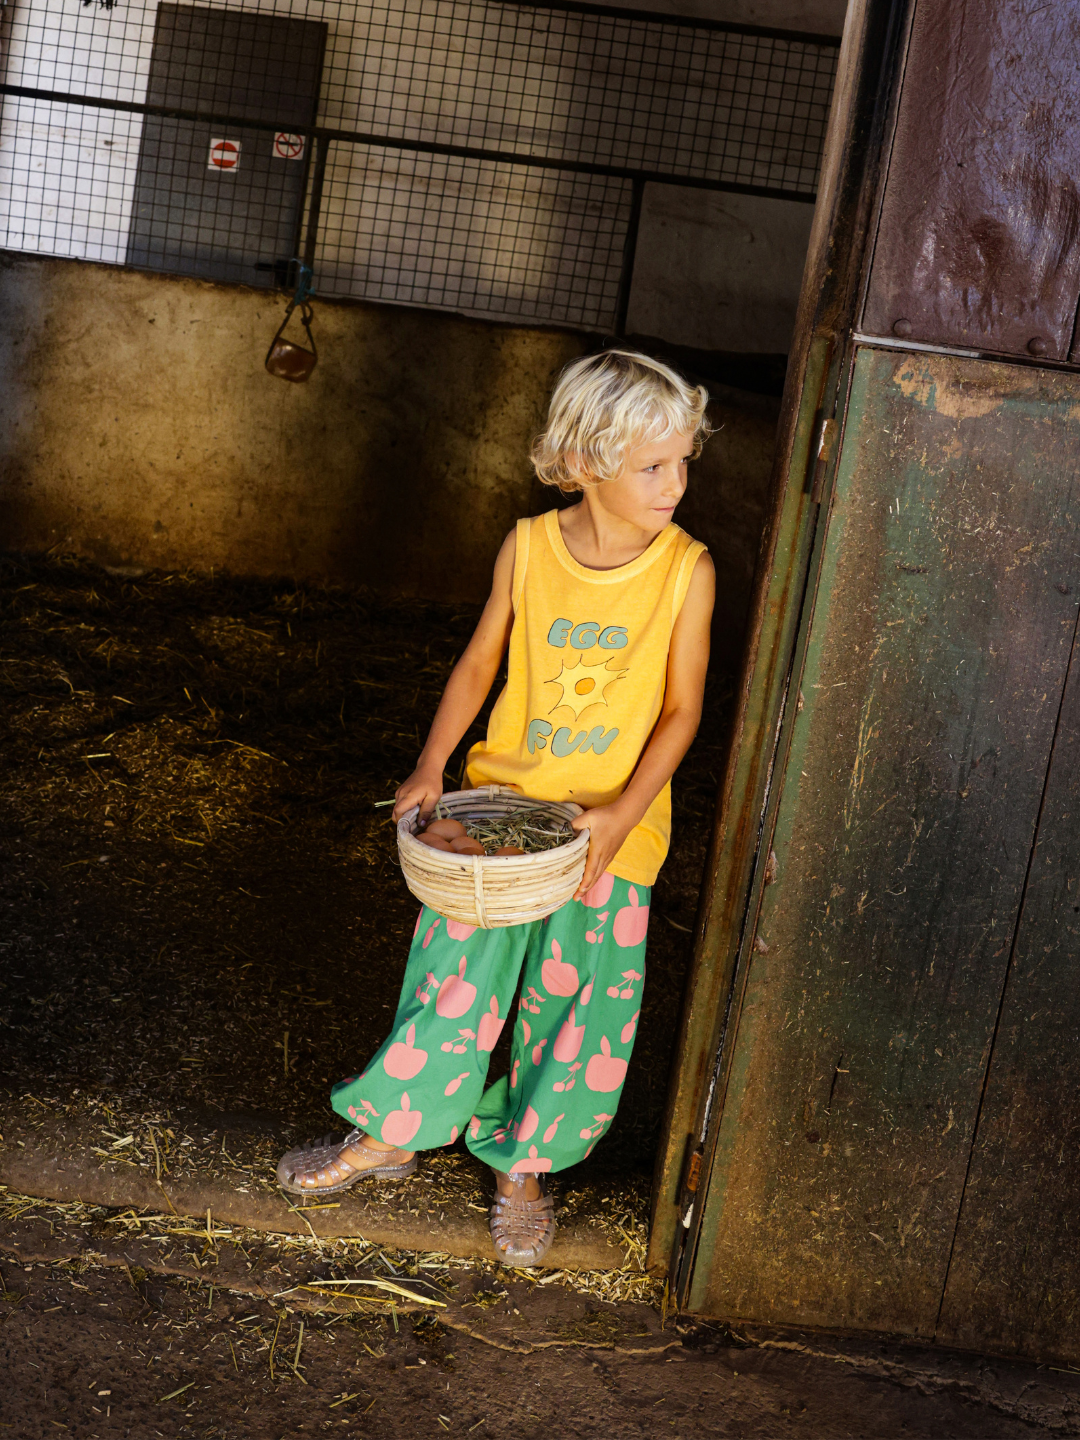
(690, 1180)
(826, 441)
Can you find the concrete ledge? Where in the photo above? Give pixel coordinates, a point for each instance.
(439, 1209)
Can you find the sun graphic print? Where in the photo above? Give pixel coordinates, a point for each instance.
(581, 685)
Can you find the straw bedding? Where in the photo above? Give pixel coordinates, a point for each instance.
(205, 910)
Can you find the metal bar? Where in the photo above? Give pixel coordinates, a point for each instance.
(315, 204)
(685, 22)
(626, 276)
(423, 147)
(711, 1000)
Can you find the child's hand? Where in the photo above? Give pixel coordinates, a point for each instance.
(423, 788)
(608, 827)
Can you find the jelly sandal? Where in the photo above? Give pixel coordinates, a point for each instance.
(522, 1230)
(299, 1169)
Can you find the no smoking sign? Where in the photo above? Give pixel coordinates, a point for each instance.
(224, 155)
(288, 147)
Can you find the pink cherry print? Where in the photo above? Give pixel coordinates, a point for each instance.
(490, 1027)
(629, 1028)
(474, 1126)
(529, 1121)
(403, 1060)
(453, 1088)
(457, 931)
(549, 1133)
(586, 994)
(600, 893)
(431, 933)
(456, 995)
(400, 1126)
(352, 1111)
(534, 1162)
(605, 1072)
(568, 1041)
(538, 1051)
(514, 1075)
(596, 937)
(631, 923)
(559, 976)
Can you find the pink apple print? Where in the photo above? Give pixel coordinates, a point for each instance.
(514, 1075)
(431, 933)
(538, 1051)
(403, 1060)
(453, 1088)
(549, 1133)
(533, 1163)
(526, 1032)
(631, 923)
(453, 1133)
(568, 1040)
(600, 893)
(629, 1028)
(457, 931)
(474, 1127)
(529, 1121)
(490, 1027)
(456, 995)
(400, 1126)
(605, 1072)
(559, 976)
(586, 994)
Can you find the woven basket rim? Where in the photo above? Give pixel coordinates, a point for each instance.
(490, 794)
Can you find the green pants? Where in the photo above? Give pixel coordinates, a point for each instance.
(584, 968)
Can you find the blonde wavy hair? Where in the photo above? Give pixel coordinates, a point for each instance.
(603, 406)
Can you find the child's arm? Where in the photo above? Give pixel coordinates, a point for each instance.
(688, 659)
(466, 690)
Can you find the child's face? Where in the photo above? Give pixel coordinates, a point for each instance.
(652, 482)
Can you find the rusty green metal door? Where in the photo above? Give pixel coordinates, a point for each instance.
(874, 1124)
(929, 700)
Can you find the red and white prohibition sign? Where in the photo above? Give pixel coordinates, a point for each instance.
(224, 155)
(288, 147)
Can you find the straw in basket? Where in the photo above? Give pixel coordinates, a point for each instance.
(491, 891)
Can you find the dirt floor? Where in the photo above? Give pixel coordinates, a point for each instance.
(118, 1325)
(205, 919)
(204, 926)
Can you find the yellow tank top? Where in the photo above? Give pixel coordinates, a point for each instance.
(586, 677)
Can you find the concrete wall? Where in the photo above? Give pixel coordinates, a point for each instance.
(138, 428)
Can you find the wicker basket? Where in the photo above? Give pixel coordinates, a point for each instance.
(491, 891)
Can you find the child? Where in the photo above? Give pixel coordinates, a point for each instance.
(605, 607)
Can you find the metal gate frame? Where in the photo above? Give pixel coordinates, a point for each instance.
(737, 868)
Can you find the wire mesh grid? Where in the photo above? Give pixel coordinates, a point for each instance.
(472, 235)
(717, 106)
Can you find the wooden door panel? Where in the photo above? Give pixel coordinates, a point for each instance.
(937, 653)
(1014, 1284)
(979, 231)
